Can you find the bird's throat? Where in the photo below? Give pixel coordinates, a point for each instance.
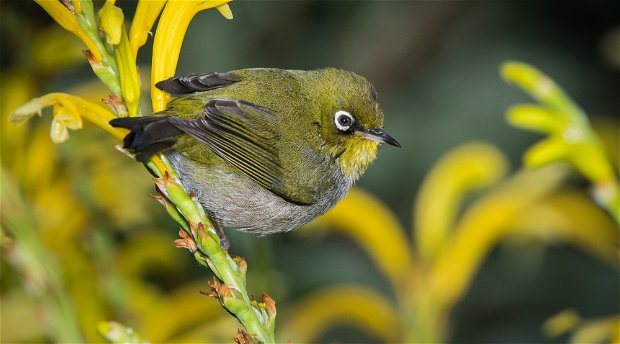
(357, 156)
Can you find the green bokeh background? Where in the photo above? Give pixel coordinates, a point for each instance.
(434, 64)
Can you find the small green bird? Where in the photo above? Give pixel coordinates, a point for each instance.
(264, 150)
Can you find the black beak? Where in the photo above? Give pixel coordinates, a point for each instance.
(380, 136)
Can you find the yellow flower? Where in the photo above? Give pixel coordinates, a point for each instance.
(570, 135)
(371, 225)
(112, 21)
(67, 20)
(342, 305)
(526, 204)
(146, 14)
(70, 109)
(600, 330)
(481, 227)
(171, 29)
(479, 165)
(66, 117)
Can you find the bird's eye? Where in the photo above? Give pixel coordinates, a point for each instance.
(343, 120)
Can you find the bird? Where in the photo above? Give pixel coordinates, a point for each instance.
(264, 150)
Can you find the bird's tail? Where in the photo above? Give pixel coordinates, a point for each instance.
(149, 134)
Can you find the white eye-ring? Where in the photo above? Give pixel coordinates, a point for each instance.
(343, 120)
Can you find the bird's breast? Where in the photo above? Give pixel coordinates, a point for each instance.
(240, 203)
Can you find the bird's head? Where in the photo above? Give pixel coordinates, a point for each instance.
(351, 120)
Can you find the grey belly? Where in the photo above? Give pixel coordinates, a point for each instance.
(238, 202)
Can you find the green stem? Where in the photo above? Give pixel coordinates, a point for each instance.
(211, 254)
(107, 70)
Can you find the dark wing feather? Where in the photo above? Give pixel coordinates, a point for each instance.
(149, 134)
(244, 135)
(195, 83)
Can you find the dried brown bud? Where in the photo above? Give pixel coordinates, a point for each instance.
(186, 241)
(159, 182)
(161, 199)
(243, 337)
(213, 285)
(116, 104)
(89, 55)
(270, 305)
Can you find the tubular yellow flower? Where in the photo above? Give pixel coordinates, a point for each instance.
(570, 136)
(130, 81)
(171, 29)
(112, 20)
(349, 305)
(171, 315)
(535, 118)
(483, 225)
(570, 216)
(225, 11)
(542, 88)
(67, 20)
(605, 330)
(374, 227)
(66, 117)
(468, 167)
(94, 113)
(561, 323)
(146, 14)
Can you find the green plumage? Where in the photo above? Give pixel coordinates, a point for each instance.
(296, 97)
(284, 130)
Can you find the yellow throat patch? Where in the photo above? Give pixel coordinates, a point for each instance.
(358, 154)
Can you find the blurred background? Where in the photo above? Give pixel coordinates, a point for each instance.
(435, 67)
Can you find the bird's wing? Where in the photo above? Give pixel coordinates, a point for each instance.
(179, 85)
(245, 136)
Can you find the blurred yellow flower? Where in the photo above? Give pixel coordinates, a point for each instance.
(602, 330)
(371, 225)
(437, 274)
(68, 21)
(479, 165)
(570, 135)
(342, 305)
(111, 22)
(71, 109)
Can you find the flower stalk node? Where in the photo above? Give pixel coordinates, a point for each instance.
(116, 104)
(243, 337)
(186, 241)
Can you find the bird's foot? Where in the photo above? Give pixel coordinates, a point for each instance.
(224, 242)
(221, 235)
